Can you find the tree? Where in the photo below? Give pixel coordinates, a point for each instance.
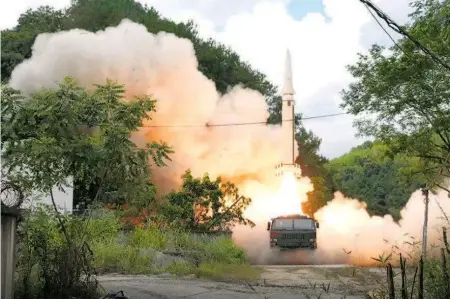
(403, 97)
(371, 173)
(218, 62)
(70, 132)
(17, 42)
(203, 204)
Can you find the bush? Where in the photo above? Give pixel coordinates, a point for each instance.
(111, 257)
(53, 264)
(148, 238)
(47, 264)
(222, 249)
(435, 284)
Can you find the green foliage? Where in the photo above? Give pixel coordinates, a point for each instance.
(203, 204)
(435, 283)
(45, 266)
(313, 166)
(318, 197)
(402, 97)
(218, 62)
(371, 173)
(148, 238)
(68, 131)
(111, 257)
(48, 266)
(17, 42)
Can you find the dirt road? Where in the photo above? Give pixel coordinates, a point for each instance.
(331, 282)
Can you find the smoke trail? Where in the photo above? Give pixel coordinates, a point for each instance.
(165, 67)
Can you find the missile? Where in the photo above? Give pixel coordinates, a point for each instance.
(287, 163)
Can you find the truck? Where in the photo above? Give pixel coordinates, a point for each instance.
(293, 231)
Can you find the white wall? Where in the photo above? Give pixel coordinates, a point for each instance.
(63, 199)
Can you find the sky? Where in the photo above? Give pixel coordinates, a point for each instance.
(323, 36)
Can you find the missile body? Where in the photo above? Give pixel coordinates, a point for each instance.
(288, 123)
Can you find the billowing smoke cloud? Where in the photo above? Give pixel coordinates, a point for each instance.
(165, 67)
(348, 234)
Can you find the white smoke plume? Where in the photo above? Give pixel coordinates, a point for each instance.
(165, 67)
(348, 234)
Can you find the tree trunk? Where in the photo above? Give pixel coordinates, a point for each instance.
(403, 273)
(421, 278)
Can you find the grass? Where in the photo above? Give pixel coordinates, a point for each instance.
(216, 271)
(215, 257)
(44, 253)
(203, 256)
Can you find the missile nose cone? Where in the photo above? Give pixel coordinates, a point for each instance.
(288, 87)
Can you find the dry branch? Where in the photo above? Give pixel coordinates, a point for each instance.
(390, 279)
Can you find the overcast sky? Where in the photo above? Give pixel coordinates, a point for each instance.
(322, 35)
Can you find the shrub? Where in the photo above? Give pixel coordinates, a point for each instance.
(222, 249)
(111, 257)
(53, 264)
(436, 285)
(148, 238)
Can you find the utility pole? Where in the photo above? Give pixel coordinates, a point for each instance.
(425, 192)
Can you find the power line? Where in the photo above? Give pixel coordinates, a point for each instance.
(394, 26)
(208, 125)
(385, 31)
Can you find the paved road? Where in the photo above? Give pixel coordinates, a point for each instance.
(282, 282)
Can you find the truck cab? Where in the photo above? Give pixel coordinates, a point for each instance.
(293, 231)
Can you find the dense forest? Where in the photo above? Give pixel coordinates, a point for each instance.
(382, 173)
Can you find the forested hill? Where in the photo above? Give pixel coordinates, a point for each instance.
(372, 173)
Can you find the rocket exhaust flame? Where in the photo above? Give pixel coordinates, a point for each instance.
(165, 67)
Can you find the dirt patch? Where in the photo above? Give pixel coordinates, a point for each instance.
(325, 282)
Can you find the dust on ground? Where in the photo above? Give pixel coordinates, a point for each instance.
(331, 282)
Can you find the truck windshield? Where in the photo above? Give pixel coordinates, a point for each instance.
(292, 224)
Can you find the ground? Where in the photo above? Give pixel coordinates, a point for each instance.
(331, 282)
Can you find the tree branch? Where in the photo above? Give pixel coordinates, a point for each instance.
(442, 187)
(61, 223)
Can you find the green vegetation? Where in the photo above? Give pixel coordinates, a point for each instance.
(401, 96)
(72, 132)
(100, 244)
(69, 131)
(416, 277)
(217, 205)
(216, 61)
(384, 180)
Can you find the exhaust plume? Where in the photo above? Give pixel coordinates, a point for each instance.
(347, 233)
(165, 67)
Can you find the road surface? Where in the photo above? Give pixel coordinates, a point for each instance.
(328, 282)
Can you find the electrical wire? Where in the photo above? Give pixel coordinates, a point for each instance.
(207, 125)
(394, 26)
(385, 31)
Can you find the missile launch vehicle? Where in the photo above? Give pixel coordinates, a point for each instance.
(293, 231)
